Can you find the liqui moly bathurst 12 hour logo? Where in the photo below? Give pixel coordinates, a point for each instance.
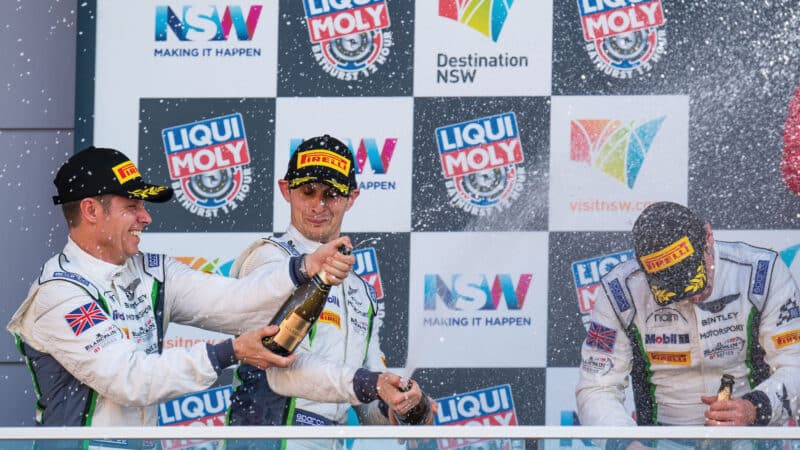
(349, 37)
(623, 37)
(481, 162)
(208, 163)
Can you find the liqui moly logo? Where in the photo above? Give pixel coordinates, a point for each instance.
(481, 161)
(332, 19)
(366, 266)
(207, 162)
(624, 37)
(206, 408)
(350, 38)
(492, 406)
(587, 273)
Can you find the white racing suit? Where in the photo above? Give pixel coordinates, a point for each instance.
(91, 333)
(749, 327)
(337, 362)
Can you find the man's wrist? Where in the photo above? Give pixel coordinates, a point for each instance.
(762, 406)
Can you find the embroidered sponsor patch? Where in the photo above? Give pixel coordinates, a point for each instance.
(325, 158)
(619, 295)
(125, 172)
(103, 339)
(666, 338)
(665, 317)
(668, 256)
(597, 365)
(153, 260)
(760, 280)
(71, 276)
(84, 317)
(716, 306)
(601, 338)
(331, 318)
(302, 417)
(785, 339)
(671, 358)
(789, 311)
(725, 349)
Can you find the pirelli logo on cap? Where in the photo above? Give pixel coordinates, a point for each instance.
(671, 358)
(668, 256)
(126, 172)
(785, 339)
(320, 157)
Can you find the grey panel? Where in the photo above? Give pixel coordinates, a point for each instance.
(33, 228)
(38, 72)
(17, 390)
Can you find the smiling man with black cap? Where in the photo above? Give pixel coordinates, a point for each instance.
(686, 311)
(92, 326)
(343, 364)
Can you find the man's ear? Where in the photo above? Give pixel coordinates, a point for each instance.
(352, 198)
(90, 210)
(284, 187)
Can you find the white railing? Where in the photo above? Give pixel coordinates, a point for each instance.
(408, 432)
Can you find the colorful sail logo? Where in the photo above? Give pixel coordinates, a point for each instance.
(612, 146)
(485, 16)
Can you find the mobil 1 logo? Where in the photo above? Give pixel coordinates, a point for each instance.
(215, 154)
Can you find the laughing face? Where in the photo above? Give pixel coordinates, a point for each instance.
(119, 227)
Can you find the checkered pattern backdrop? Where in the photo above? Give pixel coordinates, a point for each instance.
(504, 149)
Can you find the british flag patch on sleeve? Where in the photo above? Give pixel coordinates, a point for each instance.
(85, 317)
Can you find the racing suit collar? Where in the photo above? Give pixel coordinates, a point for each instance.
(88, 264)
(305, 243)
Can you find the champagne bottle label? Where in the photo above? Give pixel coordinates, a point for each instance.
(293, 330)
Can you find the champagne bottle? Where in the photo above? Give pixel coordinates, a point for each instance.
(725, 387)
(417, 414)
(299, 312)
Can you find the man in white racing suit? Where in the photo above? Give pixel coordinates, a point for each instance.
(340, 362)
(91, 329)
(683, 313)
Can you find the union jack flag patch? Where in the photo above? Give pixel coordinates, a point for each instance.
(85, 317)
(601, 338)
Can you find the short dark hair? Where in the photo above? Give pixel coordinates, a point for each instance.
(72, 210)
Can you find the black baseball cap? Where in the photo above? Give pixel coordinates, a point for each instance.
(97, 171)
(670, 241)
(323, 159)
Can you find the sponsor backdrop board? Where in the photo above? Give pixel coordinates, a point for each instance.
(504, 149)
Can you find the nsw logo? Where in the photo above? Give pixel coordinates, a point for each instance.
(474, 292)
(623, 37)
(208, 163)
(349, 38)
(481, 162)
(484, 16)
(615, 148)
(366, 266)
(587, 273)
(188, 24)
